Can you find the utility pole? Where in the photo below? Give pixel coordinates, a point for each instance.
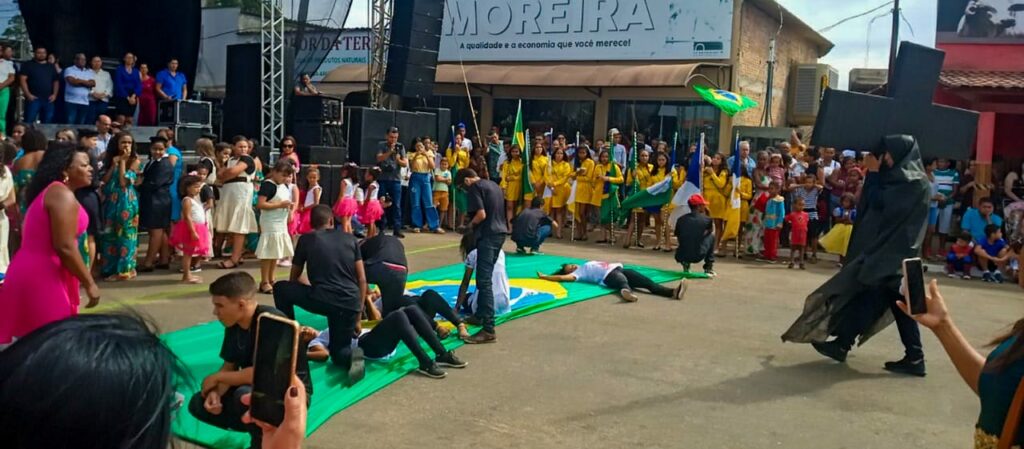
(893, 43)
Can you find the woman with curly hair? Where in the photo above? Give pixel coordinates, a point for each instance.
(42, 283)
(119, 232)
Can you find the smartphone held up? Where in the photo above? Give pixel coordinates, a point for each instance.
(277, 340)
(913, 275)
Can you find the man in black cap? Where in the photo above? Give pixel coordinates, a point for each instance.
(391, 159)
(696, 234)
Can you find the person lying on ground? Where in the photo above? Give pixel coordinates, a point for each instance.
(406, 325)
(613, 275)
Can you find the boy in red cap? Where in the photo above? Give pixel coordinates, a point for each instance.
(696, 234)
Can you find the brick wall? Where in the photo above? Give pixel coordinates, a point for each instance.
(756, 29)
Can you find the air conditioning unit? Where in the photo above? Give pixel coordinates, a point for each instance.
(868, 80)
(807, 83)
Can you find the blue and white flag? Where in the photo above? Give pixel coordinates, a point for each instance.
(692, 185)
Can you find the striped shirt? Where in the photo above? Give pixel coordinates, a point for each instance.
(810, 197)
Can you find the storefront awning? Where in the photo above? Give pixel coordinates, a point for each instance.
(551, 75)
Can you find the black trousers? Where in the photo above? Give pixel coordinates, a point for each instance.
(707, 250)
(390, 278)
(633, 280)
(488, 249)
(431, 303)
(230, 417)
(341, 322)
(867, 308)
(406, 325)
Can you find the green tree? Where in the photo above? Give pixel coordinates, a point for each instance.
(15, 29)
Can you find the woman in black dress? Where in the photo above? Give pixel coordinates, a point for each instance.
(155, 202)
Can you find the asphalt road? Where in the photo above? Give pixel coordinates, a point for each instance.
(707, 372)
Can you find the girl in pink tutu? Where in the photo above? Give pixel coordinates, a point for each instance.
(347, 206)
(190, 234)
(371, 210)
(311, 197)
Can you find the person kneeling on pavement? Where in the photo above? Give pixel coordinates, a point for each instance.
(696, 234)
(531, 227)
(219, 402)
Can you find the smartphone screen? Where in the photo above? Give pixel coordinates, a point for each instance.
(274, 364)
(913, 270)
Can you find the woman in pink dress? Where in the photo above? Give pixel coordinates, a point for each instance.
(42, 283)
(147, 100)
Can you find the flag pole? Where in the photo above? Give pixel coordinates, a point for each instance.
(739, 231)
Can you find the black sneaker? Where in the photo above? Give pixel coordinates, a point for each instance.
(831, 350)
(451, 361)
(907, 366)
(482, 337)
(432, 371)
(399, 234)
(356, 366)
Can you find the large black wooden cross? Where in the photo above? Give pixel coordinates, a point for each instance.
(860, 121)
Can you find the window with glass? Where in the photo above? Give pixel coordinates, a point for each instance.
(662, 119)
(540, 116)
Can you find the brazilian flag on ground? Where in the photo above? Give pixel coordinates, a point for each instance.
(729, 102)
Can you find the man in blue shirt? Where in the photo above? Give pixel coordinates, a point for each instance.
(975, 219)
(171, 85)
(744, 158)
(80, 80)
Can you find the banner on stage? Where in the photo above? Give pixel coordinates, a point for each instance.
(565, 30)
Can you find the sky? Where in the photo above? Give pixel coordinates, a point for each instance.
(850, 39)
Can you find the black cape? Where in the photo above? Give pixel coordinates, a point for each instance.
(892, 218)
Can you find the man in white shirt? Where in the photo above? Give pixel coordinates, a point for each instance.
(618, 150)
(6, 80)
(102, 139)
(79, 80)
(99, 96)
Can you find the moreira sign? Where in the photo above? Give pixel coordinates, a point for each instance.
(565, 30)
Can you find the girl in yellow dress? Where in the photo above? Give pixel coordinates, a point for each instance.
(512, 181)
(604, 191)
(642, 174)
(585, 170)
(558, 180)
(661, 170)
(746, 193)
(716, 191)
(538, 169)
(458, 157)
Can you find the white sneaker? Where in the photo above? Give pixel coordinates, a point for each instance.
(681, 289)
(628, 295)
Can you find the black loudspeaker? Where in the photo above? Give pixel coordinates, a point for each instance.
(186, 112)
(316, 108)
(318, 154)
(412, 54)
(365, 129)
(185, 136)
(319, 134)
(414, 124)
(242, 96)
(442, 129)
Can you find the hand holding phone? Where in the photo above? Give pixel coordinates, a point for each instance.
(913, 278)
(277, 340)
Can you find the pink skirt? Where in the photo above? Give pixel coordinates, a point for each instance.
(181, 239)
(346, 207)
(371, 212)
(293, 225)
(303, 220)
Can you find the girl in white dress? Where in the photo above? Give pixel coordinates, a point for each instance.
(275, 203)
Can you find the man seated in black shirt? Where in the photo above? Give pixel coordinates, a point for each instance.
(386, 266)
(219, 403)
(335, 288)
(696, 234)
(531, 227)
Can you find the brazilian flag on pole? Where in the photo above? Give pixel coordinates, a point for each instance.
(729, 102)
(520, 137)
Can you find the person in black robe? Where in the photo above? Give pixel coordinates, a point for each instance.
(155, 202)
(860, 300)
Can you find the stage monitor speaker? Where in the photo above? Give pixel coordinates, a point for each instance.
(318, 154)
(442, 130)
(185, 136)
(185, 112)
(319, 134)
(316, 108)
(366, 128)
(412, 53)
(242, 96)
